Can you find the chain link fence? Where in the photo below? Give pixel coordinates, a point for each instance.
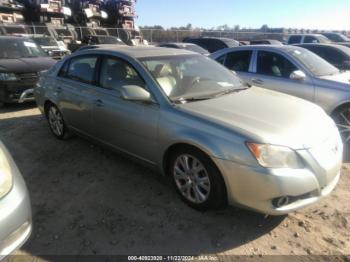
(162, 36)
(77, 33)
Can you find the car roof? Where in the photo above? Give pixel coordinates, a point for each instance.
(179, 44)
(318, 44)
(271, 47)
(7, 37)
(140, 51)
(283, 48)
(320, 35)
(330, 33)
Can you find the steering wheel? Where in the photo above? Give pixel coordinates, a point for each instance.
(195, 81)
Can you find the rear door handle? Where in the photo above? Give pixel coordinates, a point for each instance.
(59, 89)
(99, 103)
(257, 81)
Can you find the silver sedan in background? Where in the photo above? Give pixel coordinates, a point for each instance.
(295, 71)
(15, 210)
(217, 139)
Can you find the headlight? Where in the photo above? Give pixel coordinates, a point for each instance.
(8, 77)
(5, 174)
(271, 156)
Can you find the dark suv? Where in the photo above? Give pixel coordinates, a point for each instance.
(21, 60)
(212, 44)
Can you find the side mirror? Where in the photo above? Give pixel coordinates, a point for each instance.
(136, 93)
(298, 75)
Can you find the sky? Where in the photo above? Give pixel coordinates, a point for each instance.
(308, 14)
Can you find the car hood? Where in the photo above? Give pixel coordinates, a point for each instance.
(266, 116)
(24, 65)
(343, 77)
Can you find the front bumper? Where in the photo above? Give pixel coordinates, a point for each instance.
(257, 187)
(17, 94)
(15, 217)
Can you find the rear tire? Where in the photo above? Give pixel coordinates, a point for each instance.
(196, 179)
(56, 122)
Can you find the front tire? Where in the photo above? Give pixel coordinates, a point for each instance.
(196, 179)
(341, 117)
(56, 122)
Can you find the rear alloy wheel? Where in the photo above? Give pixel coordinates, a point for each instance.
(56, 122)
(342, 120)
(197, 180)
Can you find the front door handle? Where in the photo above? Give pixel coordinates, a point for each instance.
(257, 81)
(99, 103)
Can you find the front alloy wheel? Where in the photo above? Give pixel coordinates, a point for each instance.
(197, 179)
(342, 120)
(191, 179)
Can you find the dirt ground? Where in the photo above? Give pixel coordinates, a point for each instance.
(89, 200)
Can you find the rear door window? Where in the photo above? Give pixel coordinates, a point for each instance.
(239, 61)
(295, 39)
(82, 69)
(310, 39)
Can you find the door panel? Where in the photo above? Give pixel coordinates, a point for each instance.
(128, 126)
(76, 104)
(75, 91)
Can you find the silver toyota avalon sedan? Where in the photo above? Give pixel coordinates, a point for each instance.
(296, 71)
(219, 140)
(15, 211)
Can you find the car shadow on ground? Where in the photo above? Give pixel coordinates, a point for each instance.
(89, 200)
(17, 107)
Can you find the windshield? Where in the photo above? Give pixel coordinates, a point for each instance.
(45, 41)
(315, 64)
(191, 77)
(17, 48)
(337, 37)
(323, 39)
(345, 38)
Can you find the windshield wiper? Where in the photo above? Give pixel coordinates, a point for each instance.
(233, 90)
(183, 100)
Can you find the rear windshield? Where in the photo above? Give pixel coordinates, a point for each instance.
(45, 41)
(108, 40)
(230, 42)
(17, 48)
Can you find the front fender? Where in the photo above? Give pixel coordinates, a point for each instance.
(221, 147)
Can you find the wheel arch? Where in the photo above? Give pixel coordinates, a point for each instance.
(338, 106)
(175, 146)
